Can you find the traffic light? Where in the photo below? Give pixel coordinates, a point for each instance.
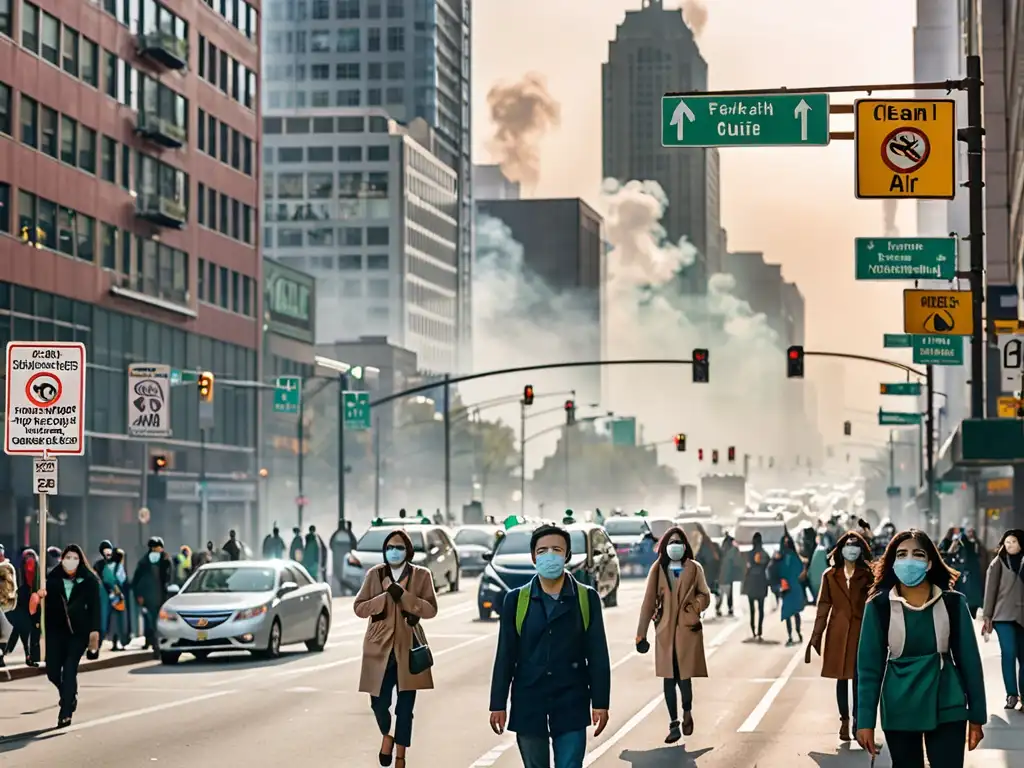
(795, 362)
(570, 412)
(714, 456)
(847, 428)
(732, 453)
(680, 442)
(206, 387)
(528, 394)
(700, 454)
(159, 463)
(701, 372)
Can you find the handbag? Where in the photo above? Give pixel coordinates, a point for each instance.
(420, 657)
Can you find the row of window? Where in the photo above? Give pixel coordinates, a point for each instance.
(346, 97)
(301, 10)
(60, 45)
(238, 14)
(224, 214)
(143, 17)
(229, 75)
(147, 96)
(145, 265)
(273, 126)
(298, 237)
(347, 263)
(348, 154)
(57, 135)
(45, 224)
(334, 210)
(222, 142)
(227, 289)
(320, 186)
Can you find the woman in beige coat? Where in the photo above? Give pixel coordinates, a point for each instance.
(677, 593)
(394, 597)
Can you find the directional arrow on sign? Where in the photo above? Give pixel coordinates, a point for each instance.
(681, 111)
(800, 113)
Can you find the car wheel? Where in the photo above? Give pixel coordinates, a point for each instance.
(453, 584)
(201, 655)
(612, 598)
(323, 629)
(169, 657)
(273, 649)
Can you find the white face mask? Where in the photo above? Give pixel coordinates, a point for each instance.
(675, 551)
(70, 563)
(851, 552)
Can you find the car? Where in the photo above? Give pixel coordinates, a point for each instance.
(634, 541)
(432, 547)
(771, 531)
(472, 542)
(244, 605)
(712, 528)
(593, 562)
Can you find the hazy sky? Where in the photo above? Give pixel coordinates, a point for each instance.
(798, 205)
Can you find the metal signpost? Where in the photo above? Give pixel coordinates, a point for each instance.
(905, 258)
(756, 120)
(45, 419)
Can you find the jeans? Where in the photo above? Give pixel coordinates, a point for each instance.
(945, 746)
(685, 690)
(758, 603)
(27, 631)
(381, 706)
(63, 656)
(569, 748)
(725, 594)
(843, 698)
(149, 614)
(116, 628)
(1011, 650)
(791, 622)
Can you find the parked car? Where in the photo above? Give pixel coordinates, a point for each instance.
(634, 542)
(473, 542)
(432, 546)
(246, 605)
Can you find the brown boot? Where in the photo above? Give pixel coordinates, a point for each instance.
(844, 729)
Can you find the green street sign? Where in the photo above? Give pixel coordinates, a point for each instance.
(946, 487)
(357, 411)
(905, 258)
(287, 394)
(901, 388)
(938, 350)
(893, 491)
(623, 431)
(183, 377)
(897, 341)
(759, 120)
(898, 418)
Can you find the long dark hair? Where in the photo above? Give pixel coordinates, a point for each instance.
(835, 557)
(940, 574)
(83, 563)
(663, 546)
(405, 540)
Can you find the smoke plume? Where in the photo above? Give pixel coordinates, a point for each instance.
(889, 208)
(522, 113)
(696, 15)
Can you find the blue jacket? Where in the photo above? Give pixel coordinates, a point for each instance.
(557, 672)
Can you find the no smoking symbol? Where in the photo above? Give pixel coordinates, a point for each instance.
(905, 150)
(43, 389)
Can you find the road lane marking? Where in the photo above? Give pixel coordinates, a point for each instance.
(755, 717)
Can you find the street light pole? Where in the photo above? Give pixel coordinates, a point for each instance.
(376, 466)
(342, 386)
(447, 450)
(522, 458)
(300, 501)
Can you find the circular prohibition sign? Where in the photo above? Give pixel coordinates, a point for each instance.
(44, 389)
(906, 149)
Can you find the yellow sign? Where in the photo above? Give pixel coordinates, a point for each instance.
(993, 514)
(1011, 327)
(937, 313)
(905, 148)
(999, 485)
(1008, 407)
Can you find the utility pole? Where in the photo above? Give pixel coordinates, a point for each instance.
(522, 458)
(568, 501)
(204, 504)
(342, 386)
(376, 466)
(300, 502)
(933, 513)
(972, 136)
(447, 450)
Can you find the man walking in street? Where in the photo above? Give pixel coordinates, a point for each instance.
(553, 654)
(232, 546)
(273, 545)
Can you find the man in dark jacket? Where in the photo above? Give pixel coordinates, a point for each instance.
(153, 575)
(553, 654)
(26, 625)
(297, 545)
(273, 545)
(314, 554)
(232, 547)
(342, 542)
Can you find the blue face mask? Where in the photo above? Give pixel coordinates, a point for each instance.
(910, 572)
(550, 565)
(154, 557)
(395, 555)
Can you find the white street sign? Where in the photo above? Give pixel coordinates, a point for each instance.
(44, 476)
(149, 400)
(1011, 359)
(45, 398)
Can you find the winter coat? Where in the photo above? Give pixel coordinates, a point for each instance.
(733, 565)
(75, 616)
(150, 581)
(755, 580)
(969, 583)
(1004, 592)
(679, 634)
(295, 548)
(710, 558)
(819, 564)
(840, 612)
(273, 547)
(233, 549)
(311, 555)
(788, 568)
(389, 631)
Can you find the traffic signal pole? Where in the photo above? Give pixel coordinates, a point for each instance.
(522, 458)
(204, 497)
(929, 456)
(972, 136)
(342, 386)
(300, 501)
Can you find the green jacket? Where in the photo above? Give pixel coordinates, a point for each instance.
(919, 690)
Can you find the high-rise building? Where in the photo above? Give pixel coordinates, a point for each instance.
(653, 53)
(405, 59)
(762, 286)
(128, 202)
(490, 183)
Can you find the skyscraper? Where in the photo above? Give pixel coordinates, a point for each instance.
(654, 52)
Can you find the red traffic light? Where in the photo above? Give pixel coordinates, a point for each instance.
(528, 395)
(732, 453)
(700, 454)
(159, 463)
(569, 405)
(794, 353)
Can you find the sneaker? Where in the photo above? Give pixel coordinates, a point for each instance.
(687, 724)
(674, 733)
(1011, 702)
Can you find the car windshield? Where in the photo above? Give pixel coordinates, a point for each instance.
(475, 536)
(658, 527)
(518, 543)
(624, 526)
(373, 540)
(771, 532)
(233, 580)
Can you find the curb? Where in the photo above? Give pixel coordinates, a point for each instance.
(110, 661)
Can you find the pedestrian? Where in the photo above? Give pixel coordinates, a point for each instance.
(1003, 611)
(232, 548)
(731, 571)
(183, 564)
(918, 655)
(25, 620)
(52, 558)
(73, 602)
(153, 575)
(311, 554)
(553, 655)
(708, 554)
(969, 584)
(106, 550)
(8, 602)
(842, 593)
(114, 580)
(819, 563)
(273, 545)
(401, 513)
(755, 584)
(202, 558)
(297, 545)
(342, 542)
(395, 597)
(787, 571)
(676, 595)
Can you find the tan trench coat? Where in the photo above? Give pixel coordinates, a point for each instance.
(840, 613)
(388, 630)
(681, 611)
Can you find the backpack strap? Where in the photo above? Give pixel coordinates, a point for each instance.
(951, 601)
(584, 599)
(523, 604)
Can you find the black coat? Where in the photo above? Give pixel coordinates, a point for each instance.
(75, 616)
(755, 581)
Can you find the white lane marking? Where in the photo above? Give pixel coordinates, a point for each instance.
(755, 717)
(658, 701)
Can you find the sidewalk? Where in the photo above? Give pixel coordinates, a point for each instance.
(16, 668)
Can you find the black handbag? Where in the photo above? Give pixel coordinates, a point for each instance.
(420, 657)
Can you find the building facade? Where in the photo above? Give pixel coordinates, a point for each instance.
(128, 200)
(762, 286)
(490, 183)
(406, 60)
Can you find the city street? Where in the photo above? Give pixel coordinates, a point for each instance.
(761, 707)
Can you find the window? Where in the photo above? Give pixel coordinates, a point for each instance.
(396, 39)
(376, 235)
(85, 228)
(235, 292)
(290, 186)
(395, 95)
(320, 99)
(320, 185)
(377, 261)
(108, 159)
(349, 97)
(374, 70)
(50, 48)
(68, 140)
(5, 206)
(350, 124)
(373, 39)
(223, 285)
(374, 97)
(29, 122)
(26, 211)
(30, 27)
(289, 238)
(108, 246)
(396, 70)
(348, 41)
(320, 41)
(48, 120)
(349, 184)
(66, 231)
(373, 9)
(87, 149)
(377, 153)
(378, 289)
(70, 52)
(346, 9)
(351, 289)
(350, 154)
(110, 74)
(321, 9)
(5, 108)
(320, 154)
(351, 236)
(126, 166)
(348, 71)
(396, 9)
(320, 72)
(289, 154)
(90, 62)
(322, 236)
(46, 224)
(5, 20)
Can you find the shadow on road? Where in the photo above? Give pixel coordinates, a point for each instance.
(236, 662)
(845, 757)
(15, 741)
(1004, 732)
(663, 757)
(755, 641)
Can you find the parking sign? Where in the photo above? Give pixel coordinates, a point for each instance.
(45, 398)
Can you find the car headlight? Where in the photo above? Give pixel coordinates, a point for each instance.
(251, 613)
(166, 615)
(490, 580)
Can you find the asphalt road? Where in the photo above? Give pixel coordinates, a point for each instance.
(761, 707)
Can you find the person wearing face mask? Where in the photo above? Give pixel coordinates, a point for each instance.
(153, 575)
(98, 567)
(786, 572)
(553, 655)
(676, 595)
(73, 603)
(841, 599)
(1003, 611)
(395, 596)
(755, 584)
(918, 656)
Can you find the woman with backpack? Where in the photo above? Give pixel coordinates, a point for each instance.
(676, 595)
(918, 656)
(1003, 611)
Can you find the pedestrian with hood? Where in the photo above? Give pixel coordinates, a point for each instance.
(731, 571)
(98, 567)
(297, 545)
(153, 575)
(788, 569)
(312, 554)
(114, 581)
(1003, 611)
(52, 558)
(273, 545)
(8, 602)
(31, 578)
(818, 565)
(199, 559)
(553, 655)
(73, 602)
(395, 597)
(232, 547)
(755, 584)
(676, 595)
(842, 594)
(918, 655)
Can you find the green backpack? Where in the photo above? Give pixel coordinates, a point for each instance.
(523, 603)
